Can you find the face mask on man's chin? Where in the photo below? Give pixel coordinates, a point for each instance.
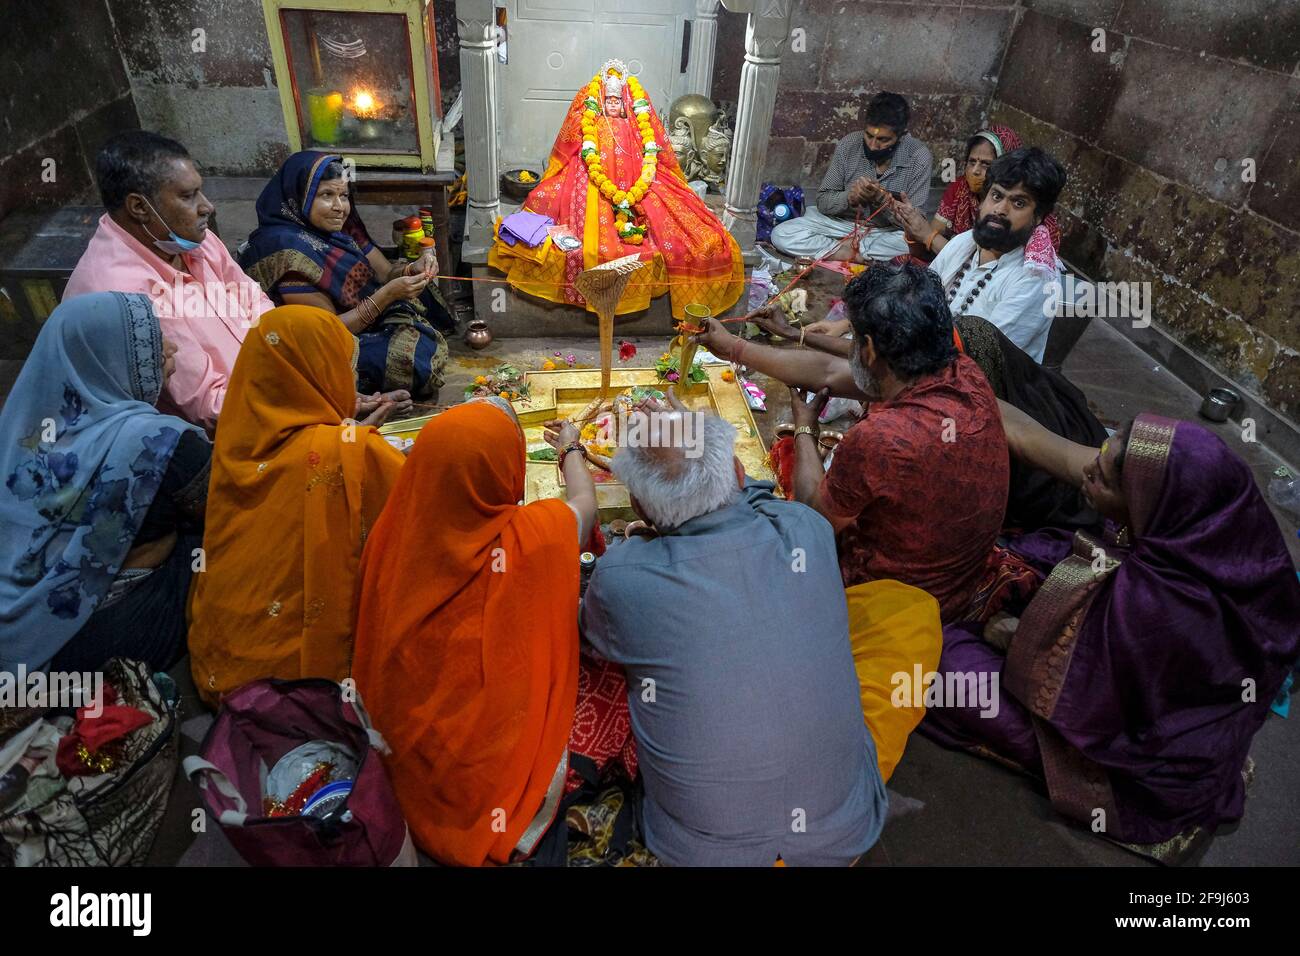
(174, 245)
(880, 155)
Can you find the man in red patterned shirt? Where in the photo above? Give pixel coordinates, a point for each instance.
(917, 489)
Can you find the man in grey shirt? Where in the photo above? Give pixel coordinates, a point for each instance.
(732, 626)
(865, 168)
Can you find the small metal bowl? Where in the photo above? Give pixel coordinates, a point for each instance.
(827, 441)
(516, 190)
(784, 430)
(1219, 404)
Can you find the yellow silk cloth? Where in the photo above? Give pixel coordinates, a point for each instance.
(893, 628)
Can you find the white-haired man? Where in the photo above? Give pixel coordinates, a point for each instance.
(731, 624)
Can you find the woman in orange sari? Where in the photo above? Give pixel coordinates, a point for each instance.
(614, 181)
(467, 636)
(296, 486)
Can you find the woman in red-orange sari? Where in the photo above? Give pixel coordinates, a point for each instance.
(691, 255)
(467, 637)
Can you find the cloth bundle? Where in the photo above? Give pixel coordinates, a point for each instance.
(101, 807)
(528, 228)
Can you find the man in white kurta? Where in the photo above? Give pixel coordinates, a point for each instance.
(995, 270)
(1019, 300)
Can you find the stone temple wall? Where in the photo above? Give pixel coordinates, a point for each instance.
(1183, 144)
(63, 90)
(1178, 121)
(944, 57)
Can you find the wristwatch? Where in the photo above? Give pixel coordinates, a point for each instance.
(806, 430)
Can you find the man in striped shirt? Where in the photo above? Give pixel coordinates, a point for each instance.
(865, 168)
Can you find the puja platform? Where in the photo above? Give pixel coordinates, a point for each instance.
(565, 393)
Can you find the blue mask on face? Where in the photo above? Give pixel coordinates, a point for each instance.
(176, 244)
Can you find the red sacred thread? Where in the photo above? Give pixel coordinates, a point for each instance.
(859, 224)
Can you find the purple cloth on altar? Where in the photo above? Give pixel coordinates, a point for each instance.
(1205, 599)
(526, 227)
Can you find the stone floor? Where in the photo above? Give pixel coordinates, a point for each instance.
(946, 807)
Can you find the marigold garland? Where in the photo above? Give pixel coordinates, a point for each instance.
(625, 202)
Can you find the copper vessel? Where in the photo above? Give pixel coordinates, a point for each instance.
(477, 334)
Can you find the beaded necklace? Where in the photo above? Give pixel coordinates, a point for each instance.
(979, 286)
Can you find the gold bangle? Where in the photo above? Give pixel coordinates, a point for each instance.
(929, 242)
(806, 430)
(371, 312)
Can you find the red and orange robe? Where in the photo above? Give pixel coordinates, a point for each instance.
(691, 255)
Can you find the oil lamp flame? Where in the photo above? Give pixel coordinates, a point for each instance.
(364, 104)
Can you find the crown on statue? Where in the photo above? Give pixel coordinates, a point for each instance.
(613, 71)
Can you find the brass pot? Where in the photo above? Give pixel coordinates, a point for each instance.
(827, 441)
(477, 334)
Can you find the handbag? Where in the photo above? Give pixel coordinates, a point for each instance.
(769, 197)
(262, 729)
(108, 818)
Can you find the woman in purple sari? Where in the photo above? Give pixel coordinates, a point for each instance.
(1141, 670)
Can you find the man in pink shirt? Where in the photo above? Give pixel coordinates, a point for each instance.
(154, 240)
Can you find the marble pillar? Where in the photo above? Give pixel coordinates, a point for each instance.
(704, 35)
(765, 36)
(476, 26)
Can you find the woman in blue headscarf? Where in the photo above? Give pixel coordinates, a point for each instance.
(311, 248)
(102, 495)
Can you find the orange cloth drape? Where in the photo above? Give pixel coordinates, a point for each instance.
(691, 254)
(293, 492)
(467, 639)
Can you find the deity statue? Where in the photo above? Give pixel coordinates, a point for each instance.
(716, 151)
(615, 182)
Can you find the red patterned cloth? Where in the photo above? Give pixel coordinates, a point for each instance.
(602, 723)
(1009, 581)
(924, 476)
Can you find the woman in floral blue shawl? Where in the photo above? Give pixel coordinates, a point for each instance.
(92, 500)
